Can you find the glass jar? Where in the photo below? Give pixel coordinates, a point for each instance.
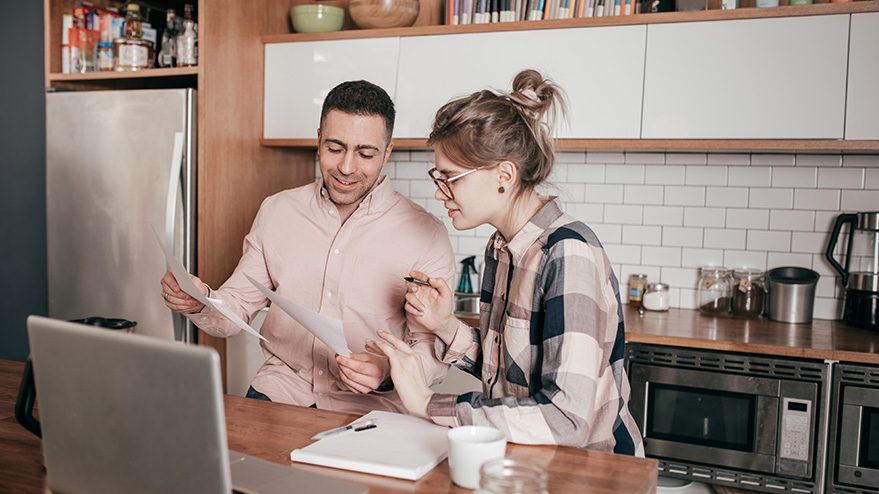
(105, 56)
(715, 284)
(656, 297)
(748, 292)
(506, 476)
(637, 282)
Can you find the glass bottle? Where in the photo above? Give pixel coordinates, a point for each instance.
(637, 282)
(187, 40)
(506, 476)
(105, 56)
(656, 297)
(168, 52)
(748, 293)
(714, 290)
(132, 52)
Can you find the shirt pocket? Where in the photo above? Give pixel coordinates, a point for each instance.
(516, 355)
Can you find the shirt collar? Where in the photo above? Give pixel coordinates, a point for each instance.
(533, 229)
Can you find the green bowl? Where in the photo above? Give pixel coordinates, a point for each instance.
(310, 18)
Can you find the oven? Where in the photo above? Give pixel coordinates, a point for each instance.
(853, 462)
(742, 420)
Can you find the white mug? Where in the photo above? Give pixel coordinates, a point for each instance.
(469, 447)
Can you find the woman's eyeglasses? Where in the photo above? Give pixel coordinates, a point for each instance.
(443, 184)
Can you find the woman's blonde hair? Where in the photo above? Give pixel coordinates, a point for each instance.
(489, 127)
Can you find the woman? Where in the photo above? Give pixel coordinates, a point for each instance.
(550, 346)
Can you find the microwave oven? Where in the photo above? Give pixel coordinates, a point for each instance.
(741, 420)
(853, 459)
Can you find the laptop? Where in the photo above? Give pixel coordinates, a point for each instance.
(136, 414)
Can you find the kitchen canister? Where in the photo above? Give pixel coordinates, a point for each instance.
(656, 297)
(791, 293)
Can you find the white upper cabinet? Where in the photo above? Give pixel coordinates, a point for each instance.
(862, 105)
(772, 78)
(299, 75)
(601, 70)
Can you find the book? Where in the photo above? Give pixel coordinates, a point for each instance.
(401, 446)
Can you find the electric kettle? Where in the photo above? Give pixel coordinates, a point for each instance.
(860, 276)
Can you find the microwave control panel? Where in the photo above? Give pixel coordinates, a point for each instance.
(796, 424)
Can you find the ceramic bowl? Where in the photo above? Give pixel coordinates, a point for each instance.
(371, 14)
(309, 18)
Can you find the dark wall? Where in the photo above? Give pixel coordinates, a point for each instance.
(22, 174)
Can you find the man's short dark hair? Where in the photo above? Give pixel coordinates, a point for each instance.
(361, 98)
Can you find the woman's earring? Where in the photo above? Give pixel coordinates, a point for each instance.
(501, 189)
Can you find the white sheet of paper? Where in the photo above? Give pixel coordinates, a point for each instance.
(186, 284)
(326, 329)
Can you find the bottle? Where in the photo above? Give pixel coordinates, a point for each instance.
(748, 293)
(105, 56)
(506, 476)
(168, 53)
(656, 297)
(714, 290)
(637, 282)
(187, 40)
(132, 52)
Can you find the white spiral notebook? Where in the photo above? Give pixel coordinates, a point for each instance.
(401, 446)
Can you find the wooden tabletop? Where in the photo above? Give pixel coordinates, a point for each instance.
(272, 430)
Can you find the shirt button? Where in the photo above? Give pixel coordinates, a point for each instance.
(331, 211)
(320, 373)
(320, 394)
(329, 294)
(336, 251)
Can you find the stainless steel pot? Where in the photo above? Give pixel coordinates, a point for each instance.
(791, 294)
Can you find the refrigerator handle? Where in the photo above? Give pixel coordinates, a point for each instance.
(173, 187)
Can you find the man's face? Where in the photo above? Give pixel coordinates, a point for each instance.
(352, 153)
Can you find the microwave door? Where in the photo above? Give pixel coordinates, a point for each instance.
(858, 441)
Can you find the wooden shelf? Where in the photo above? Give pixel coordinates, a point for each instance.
(111, 75)
(658, 18)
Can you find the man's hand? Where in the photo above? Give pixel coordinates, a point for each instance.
(363, 372)
(178, 300)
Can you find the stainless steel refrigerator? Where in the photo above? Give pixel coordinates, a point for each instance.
(118, 165)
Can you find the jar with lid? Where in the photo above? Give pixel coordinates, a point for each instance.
(656, 297)
(637, 282)
(748, 292)
(715, 284)
(507, 476)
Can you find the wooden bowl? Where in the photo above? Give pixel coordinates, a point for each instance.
(371, 14)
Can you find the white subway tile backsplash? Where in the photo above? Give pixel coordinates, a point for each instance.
(681, 237)
(860, 200)
(747, 218)
(770, 241)
(665, 175)
(664, 215)
(559, 173)
(710, 217)
(785, 219)
(689, 298)
(816, 199)
(738, 259)
(661, 256)
(471, 246)
(696, 258)
(771, 198)
(623, 213)
(652, 273)
(605, 157)
(808, 243)
(860, 160)
(422, 189)
(781, 259)
(590, 174)
(724, 159)
(576, 157)
(585, 212)
(827, 308)
(841, 178)
(397, 156)
(645, 158)
(724, 238)
(686, 159)
(401, 186)
(819, 160)
(643, 194)
(828, 286)
(623, 254)
(484, 231)
(680, 277)
(608, 233)
(569, 192)
(604, 194)
(872, 178)
(421, 156)
(795, 177)
(410, 169)
(781, 159)
(684, 196)
(752, 176)
(642, 235)
(624, 174)
(727, 197)
(706, 175)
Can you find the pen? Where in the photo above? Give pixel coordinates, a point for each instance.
(362, 426)
(416, 280)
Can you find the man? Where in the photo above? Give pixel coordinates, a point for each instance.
(341, 247)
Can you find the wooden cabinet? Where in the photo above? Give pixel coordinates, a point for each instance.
(603, 84)
(862, 105)
(298, 77)
(782, 78)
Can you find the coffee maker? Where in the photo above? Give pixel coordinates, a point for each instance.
(860, 276)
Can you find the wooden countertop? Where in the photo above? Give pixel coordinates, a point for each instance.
(272, 430)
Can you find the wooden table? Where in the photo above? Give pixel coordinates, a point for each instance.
(272, 430)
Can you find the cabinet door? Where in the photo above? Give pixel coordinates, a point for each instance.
(601, 69)
(862, 104)
(298, 77)
(781, 78)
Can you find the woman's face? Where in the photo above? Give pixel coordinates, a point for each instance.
(476, 199)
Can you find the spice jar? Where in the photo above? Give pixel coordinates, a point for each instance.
(748, 292)
(656, 297)
(507, 476)
(637, 282)
(715, 285)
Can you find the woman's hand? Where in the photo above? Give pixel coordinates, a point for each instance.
(178, 300)
(406, 371)
(432, 306)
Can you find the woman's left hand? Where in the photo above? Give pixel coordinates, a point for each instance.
(406, 371)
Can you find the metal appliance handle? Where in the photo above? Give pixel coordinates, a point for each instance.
(24, 404)
(831, 246)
